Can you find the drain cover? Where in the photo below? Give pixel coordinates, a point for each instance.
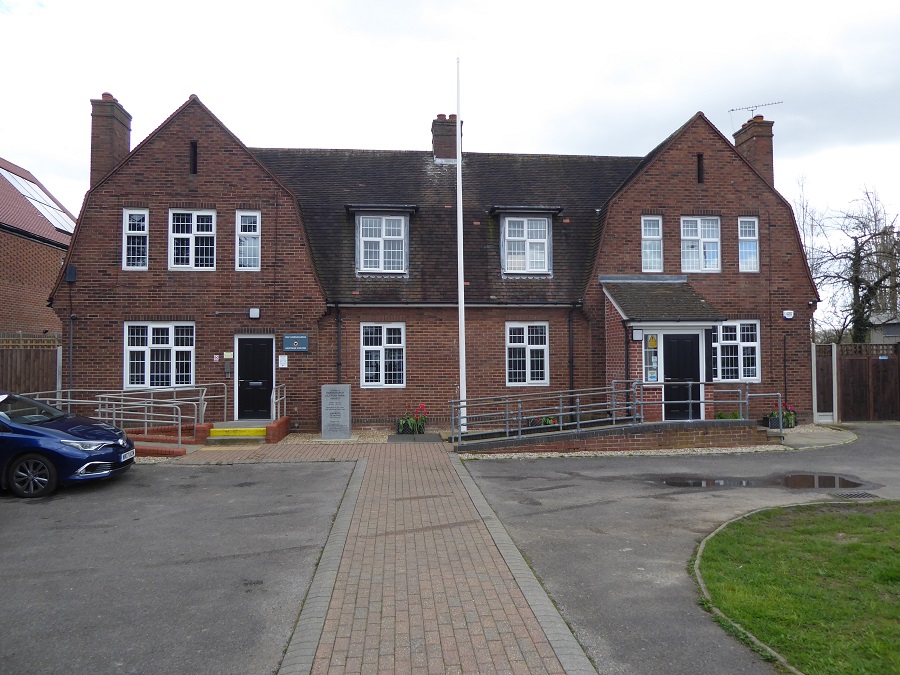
(855, 495)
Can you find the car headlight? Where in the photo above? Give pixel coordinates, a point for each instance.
(87, 446)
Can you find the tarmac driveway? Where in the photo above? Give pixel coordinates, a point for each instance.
(167, 569)
(612, 542)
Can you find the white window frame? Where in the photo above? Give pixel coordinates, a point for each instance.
(530, 244)
(130, 232)
(652, 361)
(701, 243)
(651, 241)
(178, 338)
(736, 336)
(242, 236)
(365, 239)
(379, 352)
(748, 242)
(531, 349)
(191, 237)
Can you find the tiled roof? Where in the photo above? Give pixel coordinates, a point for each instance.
(650, 299)
(325, 182)
(19, 212)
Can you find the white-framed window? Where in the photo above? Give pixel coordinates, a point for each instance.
(651, 244)
(748, 244)
(382, 243)
(735, 352)
(527, 353)
(700, 245)
(247, 240)
(135, 239)
(192, 240)
(525, 244)
(159, 354)
(383, 354)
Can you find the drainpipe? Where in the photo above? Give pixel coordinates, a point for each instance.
(337, 318)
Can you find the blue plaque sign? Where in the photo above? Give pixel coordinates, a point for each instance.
(298, 342)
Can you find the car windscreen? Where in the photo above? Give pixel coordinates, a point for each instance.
(27, 411)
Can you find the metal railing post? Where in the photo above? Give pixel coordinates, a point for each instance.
(560, 424)
(578, 413)
(520, 416)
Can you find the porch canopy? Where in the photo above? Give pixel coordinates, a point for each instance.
(658, 298)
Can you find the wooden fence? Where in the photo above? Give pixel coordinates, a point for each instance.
(857, 382)
(30, 362)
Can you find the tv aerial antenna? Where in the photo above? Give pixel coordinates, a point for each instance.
(751, 108)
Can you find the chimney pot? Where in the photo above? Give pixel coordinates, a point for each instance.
(442, 117)
(452, 117)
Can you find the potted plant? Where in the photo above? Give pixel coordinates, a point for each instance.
(413, 422)
(788, 416)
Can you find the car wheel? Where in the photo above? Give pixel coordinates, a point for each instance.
(32, 475)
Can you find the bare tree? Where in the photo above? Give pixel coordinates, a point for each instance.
(853, 256)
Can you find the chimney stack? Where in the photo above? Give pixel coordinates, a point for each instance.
(443, 139)
(754, 142)
(110, 135)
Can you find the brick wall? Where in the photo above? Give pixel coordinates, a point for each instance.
(432, 357)
(28, 270)
(650, 436)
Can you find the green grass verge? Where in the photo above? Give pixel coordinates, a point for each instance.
(819, 584)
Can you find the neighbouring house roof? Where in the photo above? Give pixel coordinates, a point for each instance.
(28, 208)
(654, 299)
(330, 185)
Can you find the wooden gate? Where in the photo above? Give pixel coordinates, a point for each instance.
(29, 363)
(868, 381)
(823, 372)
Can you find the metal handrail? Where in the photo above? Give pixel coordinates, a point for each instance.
(573, 410)
(141, 408)
(279, 400)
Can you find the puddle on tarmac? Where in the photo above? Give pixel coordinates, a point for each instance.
(709, 482)
(803, 481)
(795, 481)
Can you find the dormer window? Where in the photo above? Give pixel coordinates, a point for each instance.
(382, 240)
(526, 240)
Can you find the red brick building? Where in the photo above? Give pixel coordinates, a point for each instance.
(199, 259)
(35, 230)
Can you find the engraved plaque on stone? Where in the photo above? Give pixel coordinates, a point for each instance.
(335, 412)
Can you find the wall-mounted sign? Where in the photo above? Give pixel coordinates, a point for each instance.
(282, 361)
(298, 342)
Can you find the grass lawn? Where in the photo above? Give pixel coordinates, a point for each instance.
(819, 584)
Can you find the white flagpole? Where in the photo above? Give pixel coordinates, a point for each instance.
(460, 279)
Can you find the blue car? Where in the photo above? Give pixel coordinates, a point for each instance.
(42, 447)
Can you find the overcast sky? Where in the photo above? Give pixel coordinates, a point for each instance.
(566, 77)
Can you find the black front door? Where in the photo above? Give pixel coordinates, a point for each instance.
(681, 359)
(254, 378)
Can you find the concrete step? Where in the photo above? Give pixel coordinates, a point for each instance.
(236, 439)
(158, 450)
(244, 432)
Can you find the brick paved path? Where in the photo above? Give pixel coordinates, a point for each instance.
(418, 583)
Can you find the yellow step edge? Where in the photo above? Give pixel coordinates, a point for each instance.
(233, 431)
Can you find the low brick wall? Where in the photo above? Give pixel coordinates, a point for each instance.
(630, 438)
(278, 430)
